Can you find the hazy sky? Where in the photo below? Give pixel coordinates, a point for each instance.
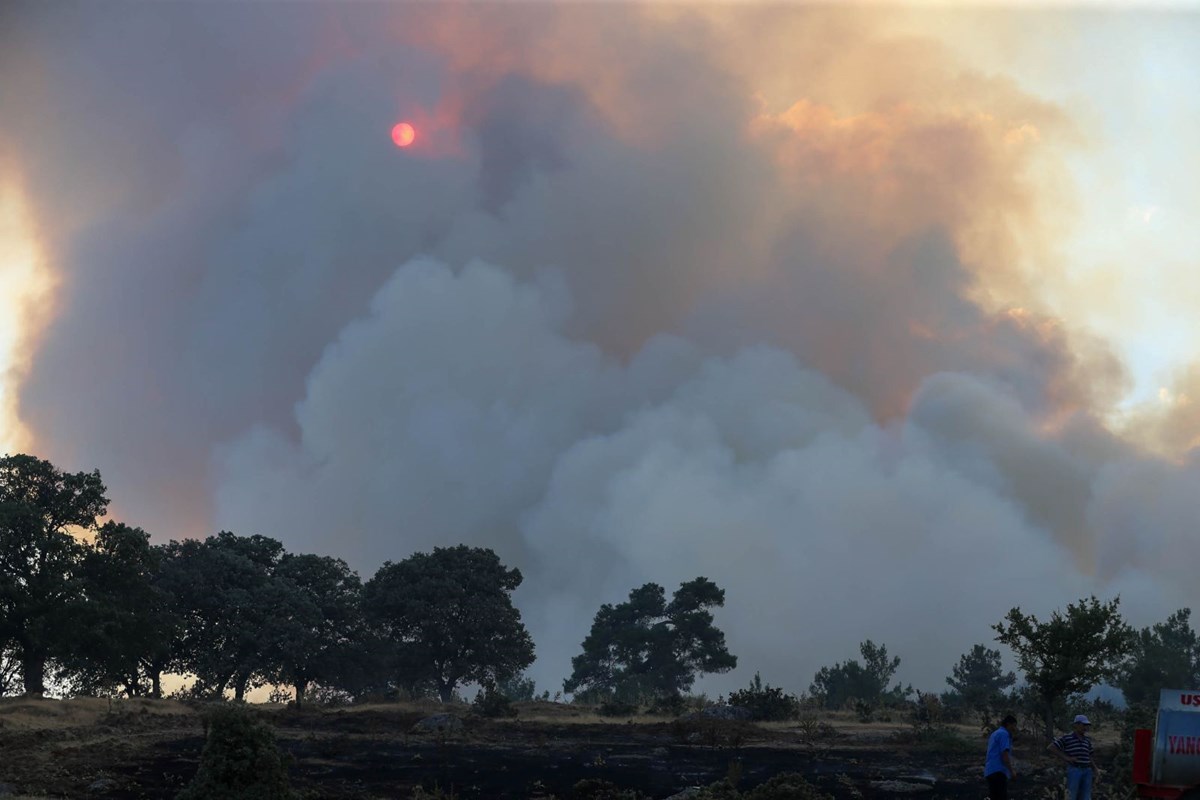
(879, 316)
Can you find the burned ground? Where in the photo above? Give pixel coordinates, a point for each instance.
(149, 749)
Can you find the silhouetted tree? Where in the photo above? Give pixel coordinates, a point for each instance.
(978, 681)
(1163, 656)
(39, 559)
(1069, 653)
(450, 616)
(866, 682)
(315, 635)
(646, 647)
(231, 604)
(127, 619)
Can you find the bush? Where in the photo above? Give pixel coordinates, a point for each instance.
(938, 739)
(766, 702)
(615, 708)
(240, 760)
(493, 704)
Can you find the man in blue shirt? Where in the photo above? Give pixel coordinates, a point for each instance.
(998, 769)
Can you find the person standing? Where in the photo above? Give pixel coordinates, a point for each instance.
(1075, 748)
(998, 770)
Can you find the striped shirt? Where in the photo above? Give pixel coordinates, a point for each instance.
(1078, 748)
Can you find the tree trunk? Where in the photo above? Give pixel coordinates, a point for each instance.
(445, 690)
(301, 686)
(155, 684)
(239, 688)
(33, 672)
(1048, 719)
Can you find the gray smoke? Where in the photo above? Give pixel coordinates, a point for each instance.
(613, 316)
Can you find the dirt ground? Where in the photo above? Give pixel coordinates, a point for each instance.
(150, 749)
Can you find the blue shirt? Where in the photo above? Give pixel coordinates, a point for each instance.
(999, 742)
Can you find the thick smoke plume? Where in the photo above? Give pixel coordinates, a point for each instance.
(657, 293)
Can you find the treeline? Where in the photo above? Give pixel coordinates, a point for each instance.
(98, 609)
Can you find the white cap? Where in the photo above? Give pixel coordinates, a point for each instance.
(1082, 720)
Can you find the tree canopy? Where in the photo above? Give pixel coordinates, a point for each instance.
(1069, 653)
(1165, 655)
(40, 506)
(647, 648)
(866, 682)
(978, 681)
(450, 617)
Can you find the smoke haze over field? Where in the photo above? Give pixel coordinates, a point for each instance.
(772, 295)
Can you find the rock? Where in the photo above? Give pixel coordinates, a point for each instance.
(924, 776)
(439, 723)
(660, 752)
(7, 790)
(102, 786)
(726, 713)
(687, 794)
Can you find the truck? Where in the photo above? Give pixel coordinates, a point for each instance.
(1166, 760)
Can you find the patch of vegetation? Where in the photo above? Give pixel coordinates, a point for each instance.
(493, 704)
(519, 688)
(941, 739)
(766, 702)
(863, 686)
(240, 760)
(616, 708)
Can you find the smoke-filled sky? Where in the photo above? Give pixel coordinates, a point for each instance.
(880, 317)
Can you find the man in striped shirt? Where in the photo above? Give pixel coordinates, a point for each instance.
(1075, 748)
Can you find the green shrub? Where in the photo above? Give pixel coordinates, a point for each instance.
(493, 704)
(766, 702)
(615, 708)
(240, 760)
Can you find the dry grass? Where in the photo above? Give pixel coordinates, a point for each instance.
(27, 713)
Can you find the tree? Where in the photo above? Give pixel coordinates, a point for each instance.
(231, 604)
(450, 616)
(128, 624)
(39, 507)
(10, 670)
(1164, 656)
(978, 681)
(647, 648)
(866, 682)
(321, 621)
(1067, 654)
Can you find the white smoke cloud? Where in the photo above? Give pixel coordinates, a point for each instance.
(755, 336)
(457, 410)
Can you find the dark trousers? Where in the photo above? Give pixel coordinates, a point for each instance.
(998, 786)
